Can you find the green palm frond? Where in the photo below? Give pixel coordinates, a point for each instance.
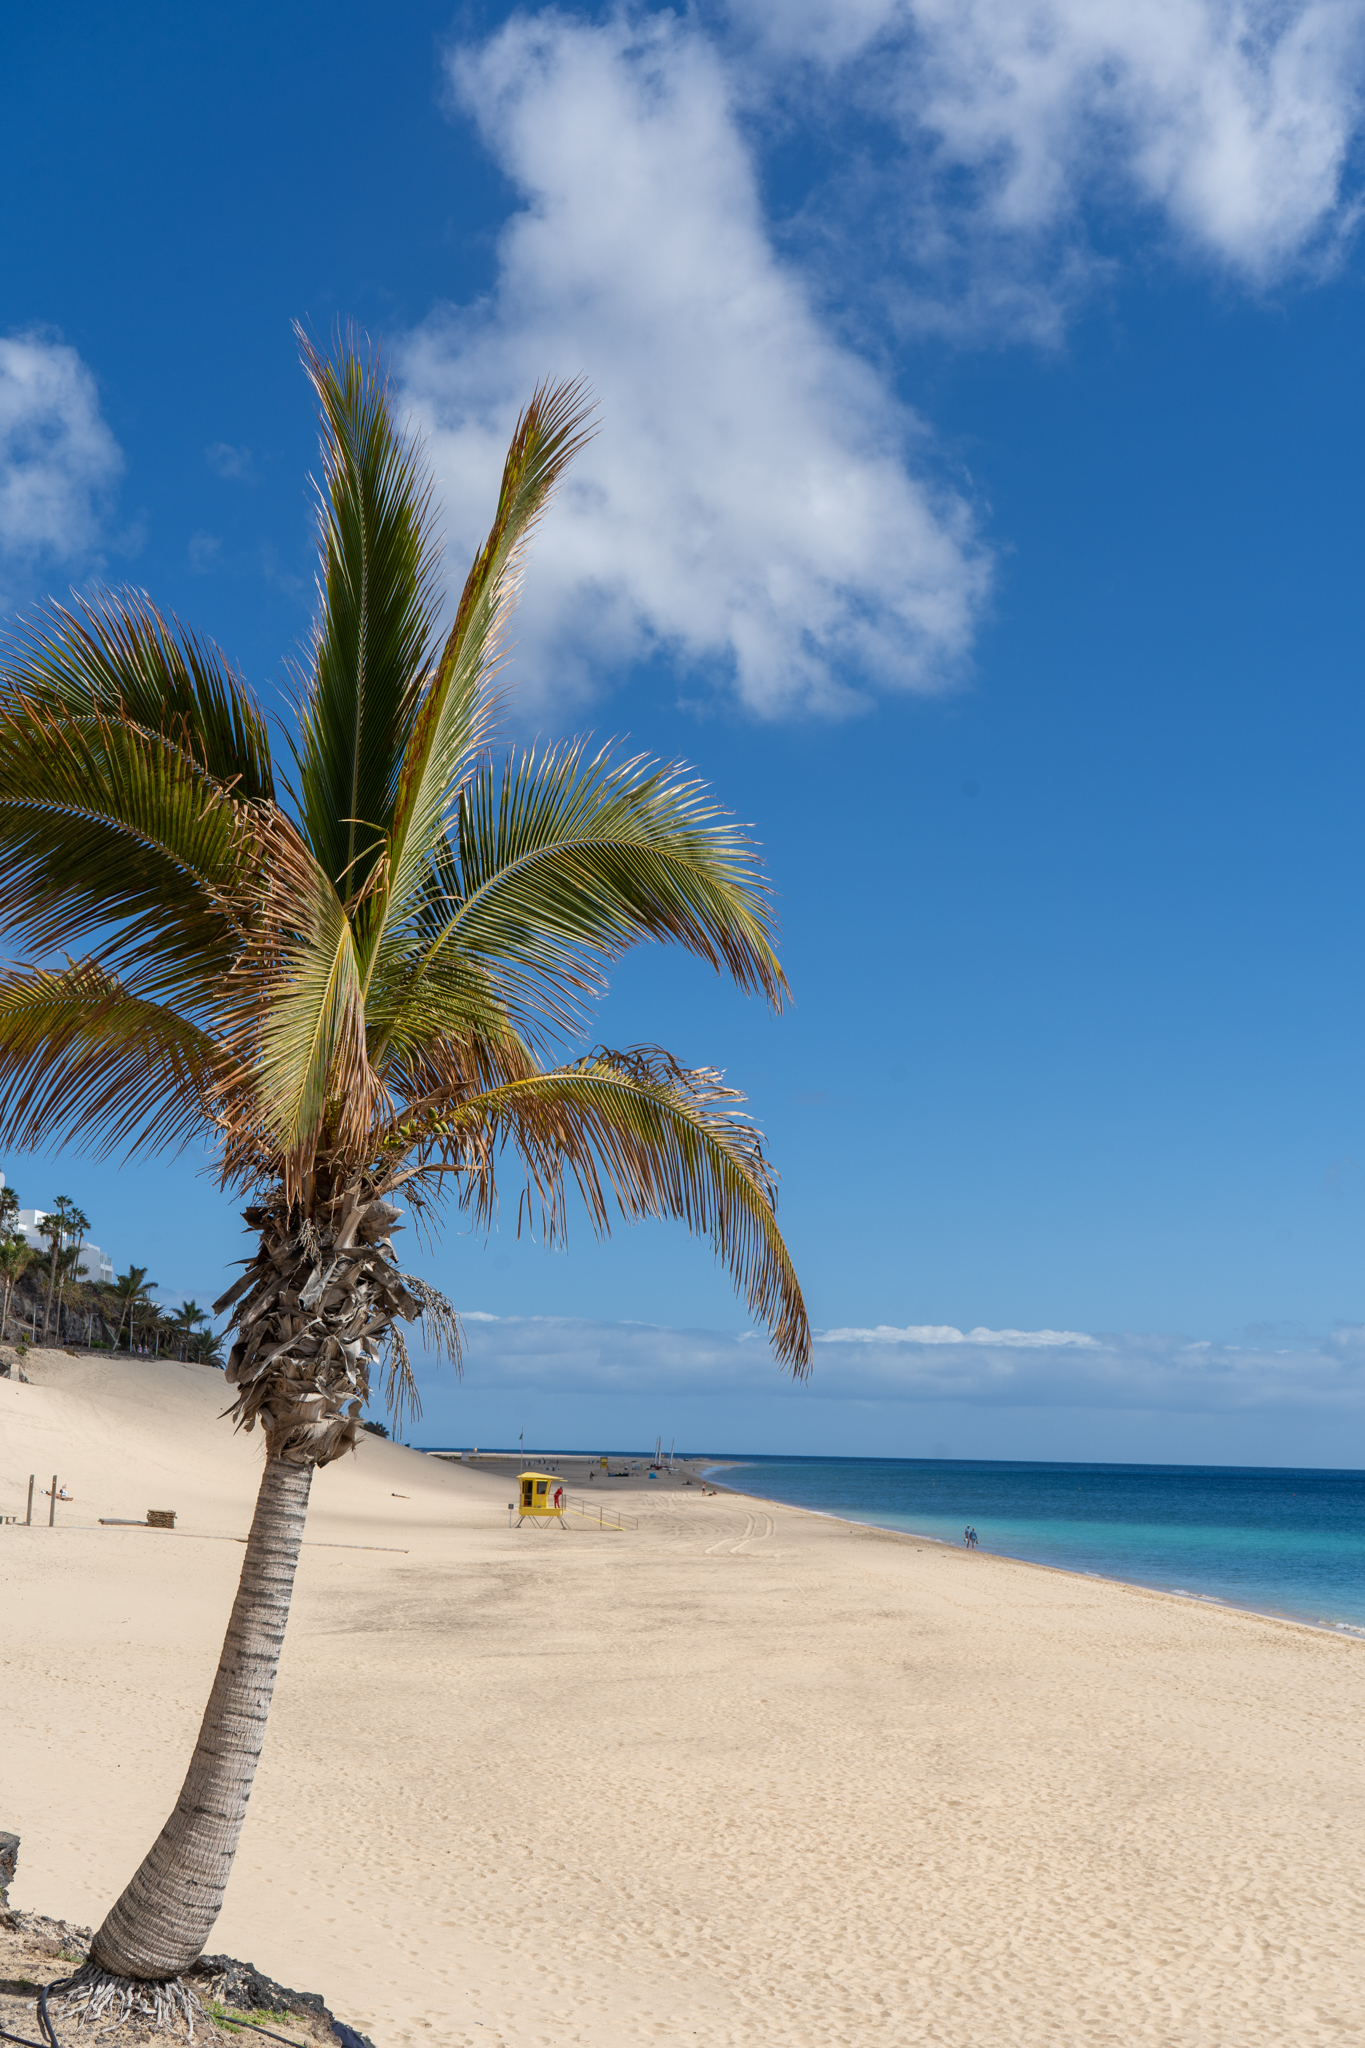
(561, 861)
(82, 1055)
(117, 656)
(379, 600)
(449, 1008)
(563, 857)
(301, 1021)
(660, 1140)
(458, 703)
(109, 827)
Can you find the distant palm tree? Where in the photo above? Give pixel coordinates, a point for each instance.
(131, 1289)
(54, 1230)
(69, 1258)
(351, 987)
(15, 1254)
(186, 1320)
(207, 1348)
(145, 1320)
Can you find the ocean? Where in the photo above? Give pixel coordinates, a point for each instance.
(1280, 1541)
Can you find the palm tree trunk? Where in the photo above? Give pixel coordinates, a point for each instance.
(51, 1283)
(165, 1916)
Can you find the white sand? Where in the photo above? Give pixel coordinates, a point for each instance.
(742, 1776)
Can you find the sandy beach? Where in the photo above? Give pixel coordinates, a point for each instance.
(739, 1775)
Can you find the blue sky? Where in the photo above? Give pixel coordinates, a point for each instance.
(977, 503)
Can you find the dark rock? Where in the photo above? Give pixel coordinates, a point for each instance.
(9, 1863)
(248, 1989)
(60, 1934)
(243, 1985)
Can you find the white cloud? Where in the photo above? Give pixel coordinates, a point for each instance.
(204, 550)
(945, 1333)
(927, 1365)
(227, 461)
(758, 505)
(1234, 119)
(58, 458)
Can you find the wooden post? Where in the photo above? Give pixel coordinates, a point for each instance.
(52, 1510)
(28, 1518)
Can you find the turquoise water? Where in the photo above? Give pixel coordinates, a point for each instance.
(1282, 1541)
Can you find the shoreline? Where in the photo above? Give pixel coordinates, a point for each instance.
(1346, 1632)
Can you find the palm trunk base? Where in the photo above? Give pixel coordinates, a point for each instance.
(96, 1995)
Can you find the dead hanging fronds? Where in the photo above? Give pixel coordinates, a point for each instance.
(401, 1398)
(314, 1311)
(441, 1334)
(442, 1331)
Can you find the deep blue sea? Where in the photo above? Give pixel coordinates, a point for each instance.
(1282, 1541)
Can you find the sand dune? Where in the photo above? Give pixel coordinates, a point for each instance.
(742, 1775)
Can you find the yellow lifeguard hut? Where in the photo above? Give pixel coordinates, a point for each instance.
(541, 1498)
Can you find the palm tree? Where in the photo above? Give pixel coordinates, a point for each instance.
(54, 1229)
(15, 1254)
(145, 1320)
(206, 1348)
(186, 1321)
(131, 1289)
(69, 1258)
(353, 985)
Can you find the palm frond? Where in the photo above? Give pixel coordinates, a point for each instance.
(112, 828)
(379, 601)
(82, 1055)
(117, 657)
(446, 1003)
(563, 861)
(300, 1020)
(458, 701)
(660, 1139)
(399, 1392)
(567, 860)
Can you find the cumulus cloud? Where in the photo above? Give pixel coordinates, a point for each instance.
(758, 506)
(1233, 121)
(944, 1333)
(204, 550)
(58, 459)
(227, 461)
(984, 1368)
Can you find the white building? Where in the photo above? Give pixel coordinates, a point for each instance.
(92, 1263)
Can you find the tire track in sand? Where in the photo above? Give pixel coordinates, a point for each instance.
(758, 1528)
